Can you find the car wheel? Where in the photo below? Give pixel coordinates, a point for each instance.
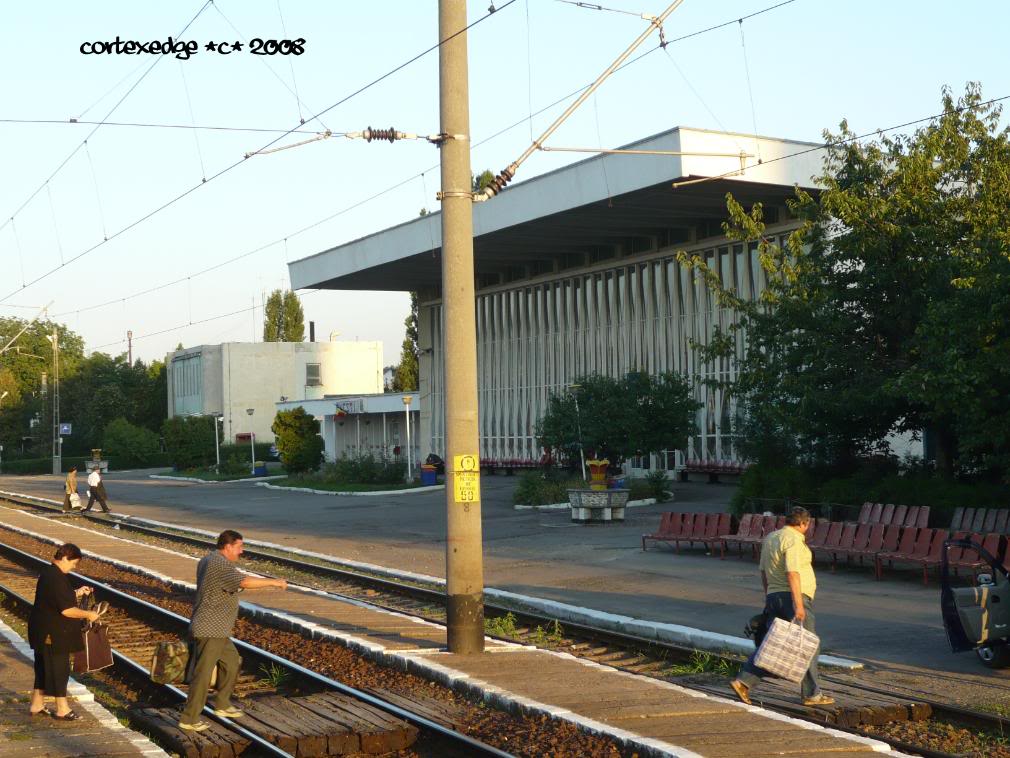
(995, 655)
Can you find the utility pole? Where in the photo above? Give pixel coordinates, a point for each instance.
(129, 346)
(57, 439)
(464, 559)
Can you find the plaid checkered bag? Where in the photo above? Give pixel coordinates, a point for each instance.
(787, 650)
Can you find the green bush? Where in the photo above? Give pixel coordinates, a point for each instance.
(27, 466)
(544, 488)
(129, 445)
(241, 450)
(871, 483)
(366, 469)
(658, 484)
(298, 440)
(190, 441)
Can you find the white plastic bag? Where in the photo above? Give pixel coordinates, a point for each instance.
(75, 502)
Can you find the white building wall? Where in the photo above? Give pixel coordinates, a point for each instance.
(238, 376)
(536, 337)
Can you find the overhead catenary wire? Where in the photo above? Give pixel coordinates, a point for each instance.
(230, 167)
(192, 118)
(595, 7)
(506, 175)
(142, 125)
(398, 183)
(102, 122)
(218, 317)
(750, 88)
(291, 65)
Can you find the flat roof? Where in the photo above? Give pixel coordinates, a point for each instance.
(600, 200)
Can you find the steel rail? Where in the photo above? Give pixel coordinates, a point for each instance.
(572, 629)
(479, 748)
(138, 668)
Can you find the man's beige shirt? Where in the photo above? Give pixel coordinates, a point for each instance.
(784, 551)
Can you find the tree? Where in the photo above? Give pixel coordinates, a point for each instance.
(298, 440)
(190, 441)
(283, 318)
(405, 377)
(480, 181)
(618, 418)
(889, 307)
(128, 445)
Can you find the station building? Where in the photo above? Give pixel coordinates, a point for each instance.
(576, 274)
(228, 380)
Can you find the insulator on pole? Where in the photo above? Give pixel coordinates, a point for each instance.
(496, 185)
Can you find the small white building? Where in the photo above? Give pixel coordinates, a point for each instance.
(356, 425)
(231, 378)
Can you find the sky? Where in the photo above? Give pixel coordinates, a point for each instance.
(92, 218)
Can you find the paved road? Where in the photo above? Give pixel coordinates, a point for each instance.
(544, 554)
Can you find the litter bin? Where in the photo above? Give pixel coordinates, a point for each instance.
(429, 475)
(260, 469)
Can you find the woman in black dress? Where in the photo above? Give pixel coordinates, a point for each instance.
(54, 632)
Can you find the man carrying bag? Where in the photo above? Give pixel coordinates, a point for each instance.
(787, 574)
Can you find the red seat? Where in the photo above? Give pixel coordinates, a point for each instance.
(957, 519)
(875, 513)
(911, 516)
(935, 553)
(888, 514)
(669, 529)
(922, 520)
(977, 521)
(874, 542)
(766, 527)
(864, 512)
(928, 543)
(743, 531)
(845, 542)
(716, 531)
(906, 546)
(1001, 521)
(819, 534)
(989, 524)
(898, 519)
(699, 527)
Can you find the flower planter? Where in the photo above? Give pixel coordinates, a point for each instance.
(598, 506)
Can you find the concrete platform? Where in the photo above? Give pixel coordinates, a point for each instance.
(542, 554)
(97, 733)
(652, 716)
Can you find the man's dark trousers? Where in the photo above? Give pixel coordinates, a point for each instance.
(99, 493)
(209, 652)
(780, 605)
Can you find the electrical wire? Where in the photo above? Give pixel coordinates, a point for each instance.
(74, 121)
(222, 172)
(102, 122)
(300, 296)
(391, 187)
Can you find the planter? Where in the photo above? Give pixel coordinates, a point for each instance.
(598, 506)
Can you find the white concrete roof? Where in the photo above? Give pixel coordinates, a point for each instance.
(387, 402)
(619, 190)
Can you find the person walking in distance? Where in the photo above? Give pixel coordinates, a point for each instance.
(787, 574)
(215, 610)
(70, 488)
(96, 488)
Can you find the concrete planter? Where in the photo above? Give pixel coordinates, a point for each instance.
(598, 506)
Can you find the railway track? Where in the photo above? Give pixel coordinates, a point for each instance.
(136, 626)
(622, 651)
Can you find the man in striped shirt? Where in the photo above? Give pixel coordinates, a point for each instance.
(215, 610)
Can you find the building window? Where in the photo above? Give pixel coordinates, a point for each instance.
(312, 375)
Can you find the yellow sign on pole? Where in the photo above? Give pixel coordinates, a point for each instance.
(466, 475)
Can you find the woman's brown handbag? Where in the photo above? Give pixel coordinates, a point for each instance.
(97, 652)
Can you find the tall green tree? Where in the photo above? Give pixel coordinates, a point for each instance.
(888, 309)
(298, 441)
(283, 318)
(406, 377)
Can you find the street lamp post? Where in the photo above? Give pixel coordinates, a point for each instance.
(217, 443)
(252, 439)
(410, 452)
(578, 426)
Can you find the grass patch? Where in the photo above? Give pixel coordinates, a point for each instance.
(210, 475)
(275, 675)
(502, 626)
(550, 637)
(702, 662)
